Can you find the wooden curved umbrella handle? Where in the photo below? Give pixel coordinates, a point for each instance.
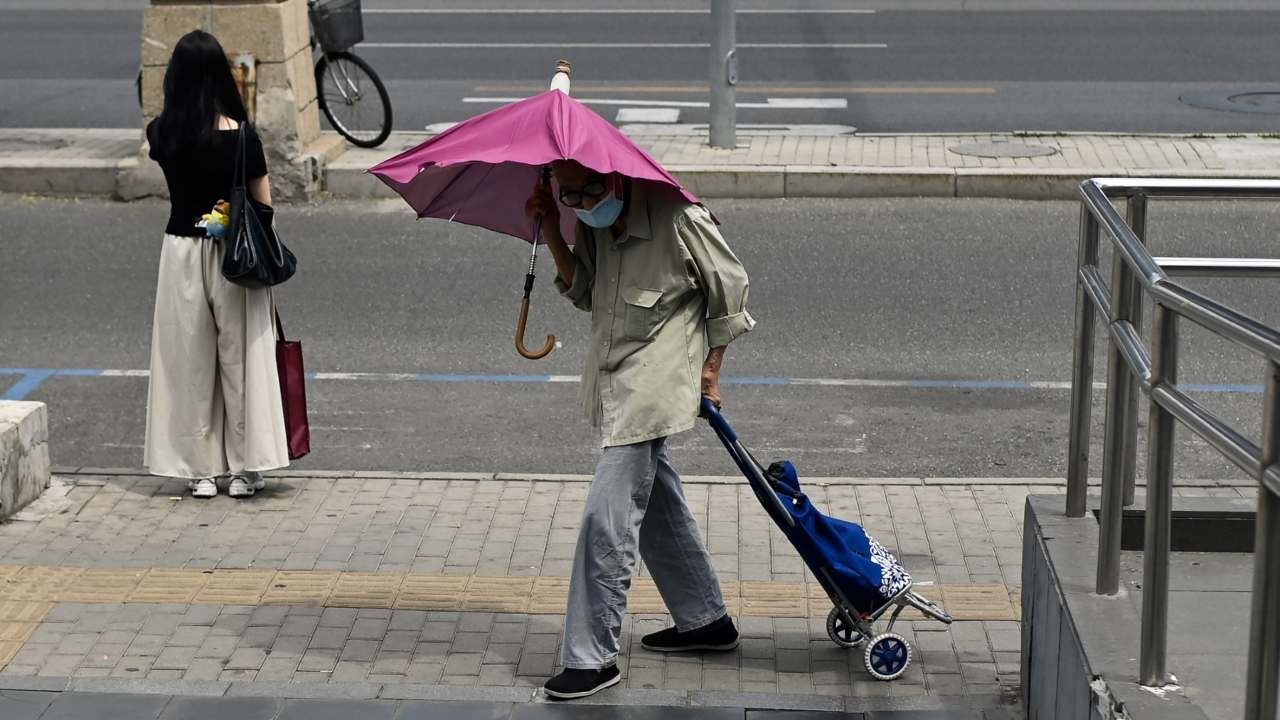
(520, 324)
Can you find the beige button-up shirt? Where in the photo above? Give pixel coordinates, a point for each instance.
(657, 295)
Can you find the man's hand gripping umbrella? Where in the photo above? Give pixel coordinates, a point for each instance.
(544, 181)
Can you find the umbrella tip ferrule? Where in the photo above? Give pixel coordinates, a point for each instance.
(560, 81)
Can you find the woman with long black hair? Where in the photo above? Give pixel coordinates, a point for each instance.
(213, 408)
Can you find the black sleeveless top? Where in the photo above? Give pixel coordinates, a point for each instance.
(198, 179)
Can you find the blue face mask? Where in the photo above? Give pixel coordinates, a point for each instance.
(604, 214)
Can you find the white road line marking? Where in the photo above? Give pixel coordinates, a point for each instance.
(648, 115)
(588, 45)
(126, 373)
(822, 46)
(615, 46)
(607, 11)
(770, 104)
(808, 103)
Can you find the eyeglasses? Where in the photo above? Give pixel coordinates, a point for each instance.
(573, 197)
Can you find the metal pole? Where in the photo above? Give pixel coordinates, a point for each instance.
(1082, 373)
(724, 73)
(1159, 517)
(1264, 635)
(1119, 378)
(1137, 217)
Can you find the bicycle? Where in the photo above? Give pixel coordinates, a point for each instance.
(345, 83)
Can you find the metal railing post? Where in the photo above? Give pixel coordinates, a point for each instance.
(1082, 373)
(1264, 635)
(1136, 214)
(1159, 515)
(1119, 380)
(724, 74)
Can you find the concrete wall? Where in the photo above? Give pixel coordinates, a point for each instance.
(24, 454)
(1056, 680)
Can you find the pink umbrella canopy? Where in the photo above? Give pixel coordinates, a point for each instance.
(481, 172)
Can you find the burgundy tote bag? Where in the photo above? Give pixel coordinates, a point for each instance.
(293, 393)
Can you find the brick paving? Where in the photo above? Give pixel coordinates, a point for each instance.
(1071, 151)
(1130, 154)
(403, 582)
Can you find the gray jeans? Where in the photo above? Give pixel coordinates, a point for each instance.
(635, 503)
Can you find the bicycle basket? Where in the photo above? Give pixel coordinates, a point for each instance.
(338, 24)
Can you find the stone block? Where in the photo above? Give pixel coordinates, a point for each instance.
(805, 181)
(309, 122)
(277, 34)
(24, 454)
(271, 32)
(747, 181)
(164, 25)
(58, 176)
(1020, 184)
(349, 180)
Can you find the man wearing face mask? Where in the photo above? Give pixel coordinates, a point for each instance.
(662, 287)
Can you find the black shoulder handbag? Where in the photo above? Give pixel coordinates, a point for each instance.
(254, 256)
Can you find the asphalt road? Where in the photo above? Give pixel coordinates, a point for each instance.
(931, 69)
(951, 306)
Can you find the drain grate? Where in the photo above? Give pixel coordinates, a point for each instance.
(1265, 102)
(1003, 150)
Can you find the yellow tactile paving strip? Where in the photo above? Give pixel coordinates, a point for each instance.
(18, 619)
(28, 592)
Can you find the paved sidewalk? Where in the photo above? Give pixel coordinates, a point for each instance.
(338, 586)
(794, 164)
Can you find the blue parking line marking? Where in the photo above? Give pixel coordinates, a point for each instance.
(26, 384)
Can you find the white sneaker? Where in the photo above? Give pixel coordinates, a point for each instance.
(241, 487)
(204, 488)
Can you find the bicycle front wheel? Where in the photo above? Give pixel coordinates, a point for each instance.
(354, 99)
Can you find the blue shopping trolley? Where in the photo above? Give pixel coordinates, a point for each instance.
(862, 578)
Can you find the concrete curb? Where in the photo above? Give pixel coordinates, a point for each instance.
(346, 180)
(91, 473)
(59, 176)
(501, 694)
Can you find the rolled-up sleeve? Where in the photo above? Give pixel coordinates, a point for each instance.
(584, 273)
(720, 274)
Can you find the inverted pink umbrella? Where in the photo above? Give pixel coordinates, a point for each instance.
(480, 172)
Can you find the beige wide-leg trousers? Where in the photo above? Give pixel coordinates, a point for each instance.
(213, 404)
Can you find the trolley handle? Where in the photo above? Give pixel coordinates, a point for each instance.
(712, 414)
(747, 464)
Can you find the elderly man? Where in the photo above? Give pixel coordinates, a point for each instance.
(661, 285)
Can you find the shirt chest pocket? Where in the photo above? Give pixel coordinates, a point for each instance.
(642, 318)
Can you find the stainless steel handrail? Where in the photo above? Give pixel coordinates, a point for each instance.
(1132, 367)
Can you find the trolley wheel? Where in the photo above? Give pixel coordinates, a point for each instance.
(842, 631)
(887, 656)
(354, 99)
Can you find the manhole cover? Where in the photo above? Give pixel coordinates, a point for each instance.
(35, 145)
(1261, 101)
(1003, 150)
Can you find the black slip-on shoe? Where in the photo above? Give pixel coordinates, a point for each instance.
(572, 684)
(719, 635)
